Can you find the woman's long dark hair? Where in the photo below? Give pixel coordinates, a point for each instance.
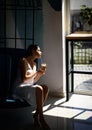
(30, 49)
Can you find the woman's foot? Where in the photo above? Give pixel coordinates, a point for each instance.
(43, 123)
(36, 120)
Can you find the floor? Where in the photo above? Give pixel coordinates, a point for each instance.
(83, 82)
(76, 114)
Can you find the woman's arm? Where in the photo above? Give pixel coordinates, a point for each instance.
(26, 76)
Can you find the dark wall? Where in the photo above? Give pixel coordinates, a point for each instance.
(55, 4)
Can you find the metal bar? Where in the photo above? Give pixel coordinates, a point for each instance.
(5, 23)
(33, 22)
(81, 72)
(20, 9)
(25, 23)
(72, 77)
(67, 69)
(15, 23)
(16, 38)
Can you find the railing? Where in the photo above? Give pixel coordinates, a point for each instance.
(82, 52)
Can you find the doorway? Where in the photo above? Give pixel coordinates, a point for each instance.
(82, 51)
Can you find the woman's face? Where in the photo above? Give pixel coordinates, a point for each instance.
(38, 52)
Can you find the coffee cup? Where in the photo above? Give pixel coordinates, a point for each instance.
(43, 66)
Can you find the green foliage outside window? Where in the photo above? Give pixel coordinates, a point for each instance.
(86, 14)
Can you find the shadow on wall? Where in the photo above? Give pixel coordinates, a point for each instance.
(55, 4)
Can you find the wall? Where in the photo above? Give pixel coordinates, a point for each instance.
(52, 48)
(48, 33)
(75, 4)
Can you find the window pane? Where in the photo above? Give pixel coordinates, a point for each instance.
(10, 43)
(20, 43)
(20, 24)
(10, 24)
(29, 24)
(1, 24)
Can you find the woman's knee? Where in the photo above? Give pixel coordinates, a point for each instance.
(39, 88)
(45, 88)
(42, 88)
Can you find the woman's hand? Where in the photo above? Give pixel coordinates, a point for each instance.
(39, 74)
(42, 71)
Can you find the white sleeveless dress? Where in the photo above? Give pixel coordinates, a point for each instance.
(25, 91)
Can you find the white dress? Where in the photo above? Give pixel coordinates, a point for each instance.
(25, 91)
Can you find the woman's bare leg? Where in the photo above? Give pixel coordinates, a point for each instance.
(45, 92)
(44, 88)
(39, 101)
(40, 98)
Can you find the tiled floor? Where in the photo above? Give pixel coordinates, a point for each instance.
(76, 114)
(72, 115)
(83, 82)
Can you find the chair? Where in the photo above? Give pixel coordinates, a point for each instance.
(9, 58)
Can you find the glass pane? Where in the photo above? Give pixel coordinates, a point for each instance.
(29, 24)
(20, 43)
(1, 42)
(1, 1)
(10, 2)
(2, 24)
(28, 42)
(10, 43)
(38, 26)
(10, 24)
(20, 24)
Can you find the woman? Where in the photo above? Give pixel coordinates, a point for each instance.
(25, 84)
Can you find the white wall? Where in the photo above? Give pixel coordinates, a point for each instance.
(75, 4)
(52, 48)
